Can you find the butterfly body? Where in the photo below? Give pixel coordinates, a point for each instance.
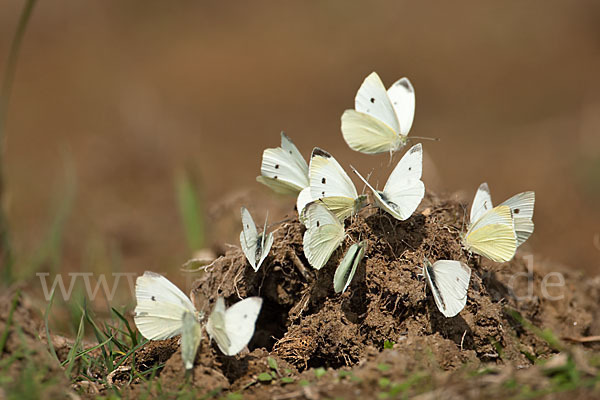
(283, 169)
(347, 267)
(255, 246)
(496, 232)
(163, 311)
(330, 184)
(232, 328)
(404, 189)
(324, 234)
(449, 282)
(381, 120)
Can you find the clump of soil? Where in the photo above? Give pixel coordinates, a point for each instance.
(304, 323)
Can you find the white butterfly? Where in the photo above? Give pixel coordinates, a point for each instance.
(521, 205)
(449, 281)
(347, 268)
(256, 246)
(404, 189)
(163, 311)
(330, 184)
(232, 328)
(302, 201)
(381, 119)
(283, 169)
(324, 233)
(491, 232)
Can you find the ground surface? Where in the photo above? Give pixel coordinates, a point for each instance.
(384, 335)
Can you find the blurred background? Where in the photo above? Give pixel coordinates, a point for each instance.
(127, 115)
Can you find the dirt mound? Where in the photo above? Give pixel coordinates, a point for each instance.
(306, 324)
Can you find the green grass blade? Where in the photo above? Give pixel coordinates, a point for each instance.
(190, 211)
(80, 331)
(132, 333)
(544, 334)
(84, 352)
(130, 352)
(6, 251)
(6, 332)
(47, 325)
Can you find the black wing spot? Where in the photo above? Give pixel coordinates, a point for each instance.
(320, 152)
(290, 152)
(247, 226)
(318, 224)
(517, 210)
(276, 166)
(323, 193)
(323, 181)
(153, 298)
(275, 177)
(372, 100)
(410, 168)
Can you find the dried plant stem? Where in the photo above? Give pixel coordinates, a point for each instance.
(6, 255)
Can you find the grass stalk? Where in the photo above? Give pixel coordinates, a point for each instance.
(6, 250)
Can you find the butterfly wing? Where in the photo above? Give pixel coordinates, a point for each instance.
(522, 205)
(215, 326)
(240, 320)
(268, 242)
(304, 198)
(482, 203)
(404, 189)
(381, 202)
(160, 307)
(249, 238)
(449, 282)
(372, 99)
(329, 182)
(347, 268)
(493, 235)
(283, 169)
(367, 134)
(402, 97)
(190, 339)
(323, 235)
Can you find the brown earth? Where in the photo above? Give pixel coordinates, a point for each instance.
(309, 330)
(304, 325)
(24, 353)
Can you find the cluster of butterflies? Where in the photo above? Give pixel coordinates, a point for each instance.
(326, 197)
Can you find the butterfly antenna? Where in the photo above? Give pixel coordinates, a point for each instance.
(266, 219)
(370, 173)
(364, 184)
(424, 138)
